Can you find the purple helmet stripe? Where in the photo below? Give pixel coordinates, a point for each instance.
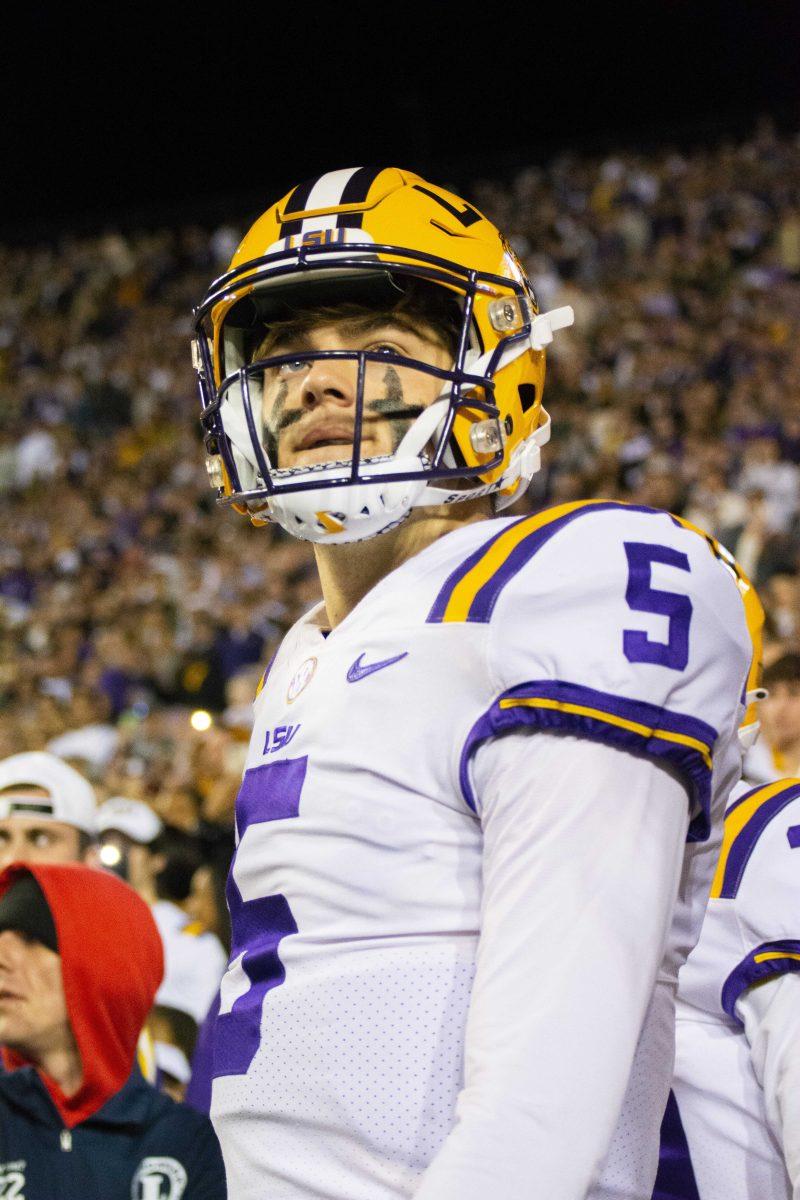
(296, 203)
(356, 190)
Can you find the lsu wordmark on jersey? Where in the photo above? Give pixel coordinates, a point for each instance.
(723, 1135)
(356, 887)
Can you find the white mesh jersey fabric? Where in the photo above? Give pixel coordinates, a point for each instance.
(733, 1152)
(353, 1089)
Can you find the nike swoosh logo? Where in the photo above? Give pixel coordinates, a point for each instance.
(357, 672)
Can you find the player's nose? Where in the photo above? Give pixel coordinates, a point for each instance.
(330, 380)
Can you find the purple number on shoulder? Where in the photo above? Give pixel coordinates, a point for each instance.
(268, 793)
(637, 646)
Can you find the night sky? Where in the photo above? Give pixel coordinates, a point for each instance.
(109, 123)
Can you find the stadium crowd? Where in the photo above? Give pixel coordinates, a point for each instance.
(136, 617)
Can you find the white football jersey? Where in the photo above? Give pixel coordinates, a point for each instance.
(716, 1139)
(355, 891)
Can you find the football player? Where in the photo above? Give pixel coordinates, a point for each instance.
(462, 885)
(732, 1126)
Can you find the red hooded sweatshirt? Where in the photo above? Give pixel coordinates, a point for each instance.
(112, 963)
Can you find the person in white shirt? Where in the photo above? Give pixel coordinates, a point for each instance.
(135, 844)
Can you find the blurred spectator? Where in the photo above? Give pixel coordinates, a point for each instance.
(780, 713)
(92, 743)
(47, 811)
(80, 960)
(714, 506)
(205, 904)
(200, 676)
(159, 862)
(128, 831)
(781, 595)
(778, 482)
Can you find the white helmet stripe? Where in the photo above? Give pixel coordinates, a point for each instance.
(327, 193)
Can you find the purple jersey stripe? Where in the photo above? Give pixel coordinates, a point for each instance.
(675, 1179)
(756, 967)
(745, 843)
(198, 1089)
(640, 711)
(688, 761)
(482, 606)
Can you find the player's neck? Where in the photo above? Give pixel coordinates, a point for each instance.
(348, 572)
(789, 757)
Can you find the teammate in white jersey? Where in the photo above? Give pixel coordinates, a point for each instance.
(732, 1128)
(462, 886)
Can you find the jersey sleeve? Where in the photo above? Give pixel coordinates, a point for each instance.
(621, 625)
(758, 880)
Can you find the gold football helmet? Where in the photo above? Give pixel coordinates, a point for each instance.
(361, 235)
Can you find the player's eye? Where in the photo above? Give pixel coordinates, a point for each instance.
(41, 839)
(293, 368)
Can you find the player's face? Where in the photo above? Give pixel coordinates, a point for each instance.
(29, 839)
(33, 1009)
(309, 408)
(780, 715)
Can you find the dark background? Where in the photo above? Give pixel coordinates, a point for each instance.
(127, 117)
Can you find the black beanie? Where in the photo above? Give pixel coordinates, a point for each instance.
(25, 909)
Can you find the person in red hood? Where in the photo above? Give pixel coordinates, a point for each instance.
(80, 962)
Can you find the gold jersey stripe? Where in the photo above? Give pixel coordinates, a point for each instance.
(735, 822)
(497, 552)
(599, 715)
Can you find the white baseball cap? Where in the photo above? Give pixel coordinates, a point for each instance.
(70, 798)
(134, 818)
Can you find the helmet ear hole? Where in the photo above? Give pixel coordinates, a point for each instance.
(527, 396)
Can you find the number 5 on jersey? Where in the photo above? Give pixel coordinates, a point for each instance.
(637, 645)
(268, 793)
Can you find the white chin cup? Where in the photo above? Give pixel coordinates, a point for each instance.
(362, 510)
(351, 513)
